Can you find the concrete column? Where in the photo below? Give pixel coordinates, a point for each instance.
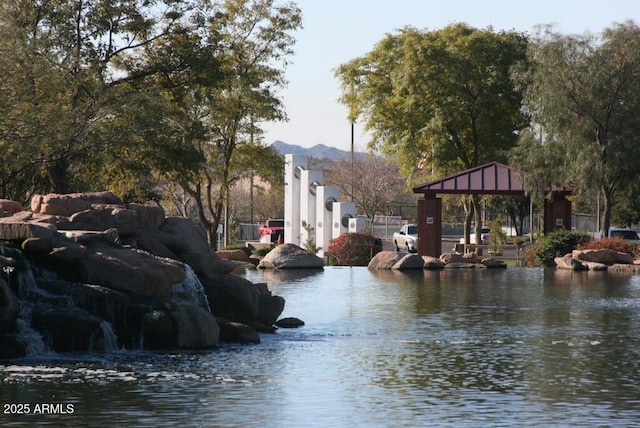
(342, 212)
(294, 165)
(310, 180)
(325, 197)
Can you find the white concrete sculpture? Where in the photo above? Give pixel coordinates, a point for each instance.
(294, 165)
(307, 200)
(325, 197)
(342, 212)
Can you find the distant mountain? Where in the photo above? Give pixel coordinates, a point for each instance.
(319, 151)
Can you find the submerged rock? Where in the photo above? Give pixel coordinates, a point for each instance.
(289, 322)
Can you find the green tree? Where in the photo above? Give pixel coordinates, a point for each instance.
(583, 93)
(438, 101)
(62, 63)
(252, 44)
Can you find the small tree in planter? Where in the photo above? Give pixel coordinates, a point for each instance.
(497, 238)
(310, 243)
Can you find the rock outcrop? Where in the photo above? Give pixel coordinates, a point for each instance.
(602, 259)
(404, 261)
(97, 273)
(290, 256)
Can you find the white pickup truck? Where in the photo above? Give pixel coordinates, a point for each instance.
(407, 238)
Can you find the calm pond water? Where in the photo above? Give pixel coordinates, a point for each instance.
(514, 347)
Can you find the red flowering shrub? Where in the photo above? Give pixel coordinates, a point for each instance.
(354, 249)
(616, 244)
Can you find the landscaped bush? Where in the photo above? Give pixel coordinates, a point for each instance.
(528, 254)
(354, 249)
(557, 244)
(615, 244)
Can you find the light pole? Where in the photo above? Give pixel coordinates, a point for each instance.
(352, 157)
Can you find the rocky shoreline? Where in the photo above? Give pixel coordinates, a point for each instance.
(86, 272)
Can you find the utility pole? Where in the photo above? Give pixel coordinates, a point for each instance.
(352, 158)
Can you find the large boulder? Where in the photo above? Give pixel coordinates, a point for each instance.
(134, 271)
(181, 235)
(449, 258)
(9, 207)
(148, 216)
(568, 262)
(234, 298)
(12, 230)
(270, 307)
(409, 261)
(70, 329)
(433, 263)
(237, 332)
(604, 256)
(194, 326)
(290, 256)
(108, 217)
(491, 262)
(207, 265)
(385, 259)
(69, 204)
(122, 269)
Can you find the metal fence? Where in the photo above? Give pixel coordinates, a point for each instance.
(384, 226)
(247, 232)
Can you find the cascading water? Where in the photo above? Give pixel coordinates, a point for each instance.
(192, 286)
(32, 297)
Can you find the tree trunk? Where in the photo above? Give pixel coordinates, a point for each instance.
(606, 213)
(475, 199)
(56, 173)
(468, 216)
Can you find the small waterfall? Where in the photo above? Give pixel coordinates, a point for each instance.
(32, 340)
(31, 295)
(109, 340)
(192, 285)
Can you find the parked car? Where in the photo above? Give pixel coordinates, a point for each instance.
(407, 238)
(274, 228)
(623, 233)
(484, 236)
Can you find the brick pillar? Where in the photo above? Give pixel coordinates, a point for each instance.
(557, 214)
(430, 226)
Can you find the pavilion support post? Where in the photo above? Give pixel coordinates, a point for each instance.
(557, 213)
(430, 226)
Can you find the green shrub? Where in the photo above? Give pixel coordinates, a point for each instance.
(497, 237)
(557, 244)
(354, 249)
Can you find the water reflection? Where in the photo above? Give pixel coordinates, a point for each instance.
(382, 348)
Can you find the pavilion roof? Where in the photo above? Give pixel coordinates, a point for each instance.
(492, 178)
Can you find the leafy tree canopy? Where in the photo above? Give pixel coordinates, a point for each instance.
(439, 100)
(583, 94)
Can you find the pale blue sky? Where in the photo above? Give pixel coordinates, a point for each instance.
(336, 31)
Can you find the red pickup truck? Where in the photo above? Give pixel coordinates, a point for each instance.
(275, 228)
